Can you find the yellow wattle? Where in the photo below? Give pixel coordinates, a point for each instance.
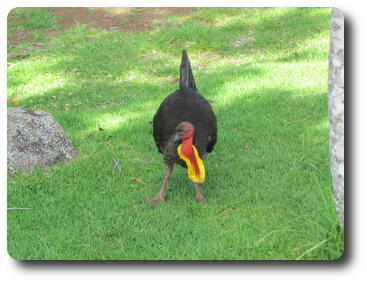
(190, 167)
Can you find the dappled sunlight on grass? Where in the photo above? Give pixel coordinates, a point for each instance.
(274, 30)
(122, 120)
(265, 71)
(231, 91)
(144, 77)
(111, 121)
(36, 86)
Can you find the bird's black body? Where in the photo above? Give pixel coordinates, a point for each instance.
(185, 104)
(185, 130)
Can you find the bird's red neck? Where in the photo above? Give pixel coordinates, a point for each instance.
(187, 146)
(188, 152)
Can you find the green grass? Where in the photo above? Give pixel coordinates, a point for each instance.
(268, 181)
(32, 18)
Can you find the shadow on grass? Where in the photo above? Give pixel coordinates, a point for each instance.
(255, 135)
(255, 121)
(123, 109)
(270, 143)
(274, 35)
(132, 104)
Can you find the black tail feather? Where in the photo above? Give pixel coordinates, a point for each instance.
(186, 76)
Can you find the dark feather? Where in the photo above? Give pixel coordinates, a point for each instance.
(186, 76)
(185, 104)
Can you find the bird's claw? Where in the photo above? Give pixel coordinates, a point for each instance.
(155, 200)
(200, 198)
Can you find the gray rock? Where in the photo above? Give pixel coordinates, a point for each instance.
(35, 139)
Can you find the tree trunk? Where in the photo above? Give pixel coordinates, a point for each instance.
(336, 109)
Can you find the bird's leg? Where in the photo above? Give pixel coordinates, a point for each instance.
(198, 194)
(160, 197)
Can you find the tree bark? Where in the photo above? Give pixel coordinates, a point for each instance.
(336, 109)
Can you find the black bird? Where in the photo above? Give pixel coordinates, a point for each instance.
(185, 131)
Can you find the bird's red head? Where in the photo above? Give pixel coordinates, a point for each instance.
(184, 131)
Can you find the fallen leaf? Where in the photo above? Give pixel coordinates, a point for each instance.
(234, 129)
(14, 101)
(138, 180)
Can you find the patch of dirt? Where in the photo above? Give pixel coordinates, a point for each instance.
(19, 35)
(127, 19)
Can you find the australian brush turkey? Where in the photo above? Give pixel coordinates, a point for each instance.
(185, 131)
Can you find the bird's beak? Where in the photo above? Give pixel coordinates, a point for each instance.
(177, 138)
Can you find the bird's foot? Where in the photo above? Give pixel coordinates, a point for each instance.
(156, 200)
(200, 198)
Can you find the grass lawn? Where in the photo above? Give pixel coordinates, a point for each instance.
(268, 181)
